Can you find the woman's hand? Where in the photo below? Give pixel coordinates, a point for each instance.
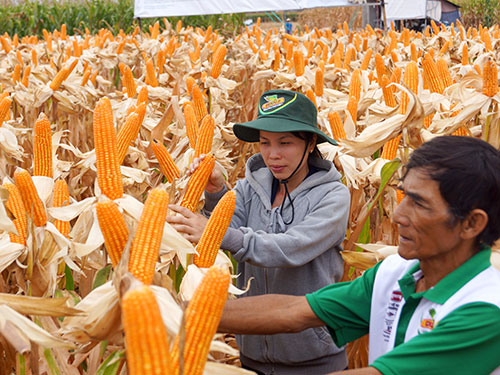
(216, 180)
(187, 223)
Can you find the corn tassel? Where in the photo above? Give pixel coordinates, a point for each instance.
(197, 183)
(202, 318)
(218, 60)
(146, 245)
(336, 126)
(108, 168)
(146, 338)
(31, 200)
(205, 136)
(42, 147)
(200, 108)
(214, 231)
(490, 78)
(114, 229)
(127, 134)
(16, 207)
(167, 164)
(61, 199)
(191, 124)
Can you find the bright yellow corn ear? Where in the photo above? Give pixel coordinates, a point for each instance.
(191, 123)
(336, 126)
(5, 44)
(16, 207)
(218, 60)
(202, 317)
(355, 85)
(26, 76)
(490, 78)
(146, 245)
(59, 78)
(352, 108)
(298, 61)
(42, 147)
(312, 97)
(16, 74)
(389, 98)
(128, 82)
(146, 337)
(366, 59)
(214, 231)
(109, 176)
(151, 74)
(444, 72)
(435, 82)
(318, 82)
(4, 108)
(410, 79)
(197, 183)
(276, 61)
(31, 200)
(114, 229)
(127, 134)
(390, 149)
(60, 199)
(190, 82)
(143, 95)
(205, 136)
(200, 109)
(167, 164)
(379, 66)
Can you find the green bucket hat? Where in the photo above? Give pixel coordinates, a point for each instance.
(282, 111)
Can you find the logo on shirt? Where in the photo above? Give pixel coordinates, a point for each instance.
(391, 313)
(272, 101)
(427, 322)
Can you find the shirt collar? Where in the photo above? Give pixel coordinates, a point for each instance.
(451, 283)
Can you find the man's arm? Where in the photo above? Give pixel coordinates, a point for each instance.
(359, 371)
(268, 314)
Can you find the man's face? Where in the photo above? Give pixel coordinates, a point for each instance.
(427, 230)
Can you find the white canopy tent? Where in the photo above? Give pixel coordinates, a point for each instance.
(171, 8)
(412, 9)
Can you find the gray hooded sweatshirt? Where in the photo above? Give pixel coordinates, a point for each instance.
(295, 259)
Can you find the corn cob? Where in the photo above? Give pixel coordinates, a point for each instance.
(143, 95)
(379, 66)
(16, 207)
(205, 136)
(26, 75)
(151, 74)
(410, 79)
(215, 230)
(355, 85)
(399, 195)
(146, 245)
(202, 318)
(32, 202)
(5, 44)
(485, 37)
(16, 74)
(366, 59)
(444, 49)
(108, 168)
(444, 72)
(352, 108)
(167, 164)
(191, 124)
(413, 49)
(348, 57)
(42, 147)
(128, 82)
(146, 338)
(190, 82)
(430, 68)
(298, 60)
(465, 54)
(336, 126)
(58, 79)
(391, 148)
(4, 108)
(126, 135)
(318, 83)
(490, 78)
(200, 108)
(311, 96)
(218, 60)
(86, 76)
(114, 229)
(389, 98)
(60, 199)
(19, 58)
(197, 183)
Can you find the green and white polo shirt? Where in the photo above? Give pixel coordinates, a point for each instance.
(452, 328)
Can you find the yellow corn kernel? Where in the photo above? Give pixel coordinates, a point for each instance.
(42, 147)
(146, 245)
(108, 168)
(31, 200)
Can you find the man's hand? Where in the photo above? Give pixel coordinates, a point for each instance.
(216, 180)
(187, 223)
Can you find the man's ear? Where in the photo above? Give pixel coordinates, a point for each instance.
(474, 223)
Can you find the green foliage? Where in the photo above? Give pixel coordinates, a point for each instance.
(31, 17)
(475, 12)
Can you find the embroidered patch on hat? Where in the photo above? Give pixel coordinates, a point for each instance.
(274, 103)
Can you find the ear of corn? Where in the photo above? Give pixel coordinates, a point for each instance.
(214, 231)
(26, 76)
(218, 60)
(318, 83)
(366, 59)
(16, 74)
(32, 202)
(355, 85)
(202, 318)
(59, 78)
(200, 109)
(128, 82)
(42, 147)
(431, 70)
(352, 108)
(410, 79)
(143, 95)
(444, 72)
(298, 61)
(389, 98)
(126, 135)
(197, 183)
(151, 74)
(4, 108)
(336, 126)
(16, 207)
(191, 124)
(108, 168)
(312, 97)
(146, 338)
(379, 66)
(190, 82)
(490, 78)
(205, 136)
(167, 164)
(391, 148)
(60, 199)
(114, 229)
(146, 245)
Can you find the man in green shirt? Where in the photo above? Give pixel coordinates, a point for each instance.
(435, 307)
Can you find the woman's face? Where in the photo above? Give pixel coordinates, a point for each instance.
(282, 153)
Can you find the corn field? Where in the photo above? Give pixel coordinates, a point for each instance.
(97, 133)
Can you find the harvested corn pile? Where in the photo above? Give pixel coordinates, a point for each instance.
(97, 132)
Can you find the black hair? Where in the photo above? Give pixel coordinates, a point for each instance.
(468, 173)
(308, 137)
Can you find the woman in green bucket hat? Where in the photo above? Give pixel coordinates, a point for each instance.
(287, 229)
